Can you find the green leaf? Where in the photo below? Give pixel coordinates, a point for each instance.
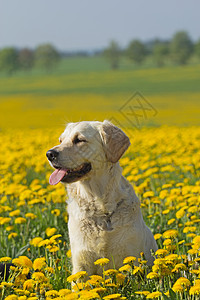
(172, 294)
(22, 250)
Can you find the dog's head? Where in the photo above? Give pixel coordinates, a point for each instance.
(86, 147)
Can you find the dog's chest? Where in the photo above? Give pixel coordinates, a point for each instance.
(94, 226)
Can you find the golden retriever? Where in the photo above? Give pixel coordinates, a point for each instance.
(105, 218)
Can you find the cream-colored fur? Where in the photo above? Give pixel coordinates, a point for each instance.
(105, 218)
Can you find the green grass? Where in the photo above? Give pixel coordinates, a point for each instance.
(92, 75)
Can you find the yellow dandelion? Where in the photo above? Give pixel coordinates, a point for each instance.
(96, 278)
(9, 228)
(51, 293)
(171, 233)
(110, 272)
(154, 295)
(171, 221)
(180, 213)
(14, 213)
(69, 253)
(161, 252)
(137, 270)
(39, 263)
(167, 242)
(22, 261)
(178, 288)
(12, 297)
(55, 212)
(157, 236)
(5, 259)
(20, 220)
(113, 296)
(195, 290)
(129, 259)
(179, 267)
(152, 275)
(31, 216)
(39, 276)
(102, 261)
(78, 275)
(12, 235)
(183, 281)
(125, 268)
(53, 249)
(54, 237)
(29, 284)
(64, 292)
(50, 231)
(43, 243)
(148, 194)
(36, 241)
(4, 221)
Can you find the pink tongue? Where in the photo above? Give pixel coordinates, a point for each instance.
(57, 176)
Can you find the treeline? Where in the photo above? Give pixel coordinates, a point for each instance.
(178, 51)
(44, 56)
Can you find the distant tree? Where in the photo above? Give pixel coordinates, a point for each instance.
(46, 57)
(160, 52)
(8, 60)
(197, 48)
(136, 51)
(181, 47)
(26, 59)
(113, 54)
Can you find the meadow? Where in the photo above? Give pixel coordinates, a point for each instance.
(162, 163)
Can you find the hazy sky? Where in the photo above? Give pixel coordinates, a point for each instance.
(91, 24)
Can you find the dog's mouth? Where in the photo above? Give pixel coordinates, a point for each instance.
(69, 175)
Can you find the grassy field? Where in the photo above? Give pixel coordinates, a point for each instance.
(162, 163)
(34, 100)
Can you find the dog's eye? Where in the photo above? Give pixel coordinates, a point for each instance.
(78, 140)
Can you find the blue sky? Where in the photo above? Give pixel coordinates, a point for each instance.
(91, 24)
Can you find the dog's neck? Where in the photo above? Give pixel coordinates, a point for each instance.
(100, 188)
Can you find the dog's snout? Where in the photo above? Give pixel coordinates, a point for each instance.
(52, 154)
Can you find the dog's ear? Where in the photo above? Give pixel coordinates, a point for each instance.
(115, 141)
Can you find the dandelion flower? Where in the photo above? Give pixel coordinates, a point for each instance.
(78, 275)
(113, 296)
(38, 276)
(183, 281)
(152, 275)
(55, 212)
(50, 231)
(39, 263)
(22, 261)
(154, 295)
(12, 235)
(20, 220)
(157, 236)
(171, 233)
(195, 290)
(129, 259)
(101, 261)
(12, 297)
(36, 241)
(5, 259)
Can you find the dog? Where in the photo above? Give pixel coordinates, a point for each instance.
(105, 218)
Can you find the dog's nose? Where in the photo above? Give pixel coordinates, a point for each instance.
(52, 154)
